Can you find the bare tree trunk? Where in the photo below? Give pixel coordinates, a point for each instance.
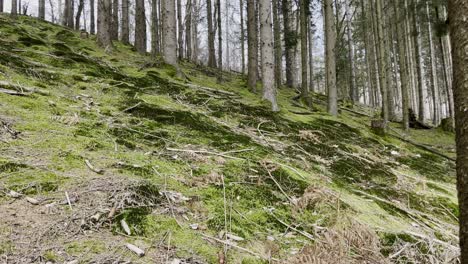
(311, 55)
(71, 12)
(169, 46)
(242, 37)
(91, 10)
(278, 49)
(330, 64)
(220, 38)
(180, 31)
(391, 87)
(103, 25)
(290, 41)
(369, 53)
(115, 20)
(78, 14)
(353, 91)
(382, 61)
(211, 36)
(226, 41)
(304, 50)
(41, 8)
(155, 45)
(140, 26)
(1, 6)
(459, 37)
(267, 51)
(188, 29)
(14, 8)
(125, 30)
(433, 70)
(419, 63)
(195, 19)
(443, 43)
(252, 46)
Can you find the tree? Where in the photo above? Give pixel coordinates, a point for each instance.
(41, 9)
(252, 46)
(353, 91)
(211, 37)
(311, 54)
(188, 28)
(14, 8)
(140, 26)
(1, 6)
(278, 48)
(459, 38)
(304, 6)
(115, 20)
(267, 51)
(180, 30)
(91, 10)
(169, 46)
(419, 62)
(382, 60)
(125, 31)
(330, 64)
(195, 20)
(290, 41)
(242, 37)
(155, 45)
(220, 39)
(103, 37)
(432, 69)
(78, 14)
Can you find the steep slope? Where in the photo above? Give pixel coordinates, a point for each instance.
(91, 140)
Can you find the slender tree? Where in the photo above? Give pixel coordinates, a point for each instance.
(41, 8)
(92, 29)
(330, 64)
(220, 38)
(267, 51)
(195, 20)
(211, 36)
(432, 69)
(278, 47)
(242, 36)
(353, 91)
(1, 6)
(382, 60)
(14, 8)
(125, 30)
(252, 43)
(303, 9)
(459, 37)
(103, 25)
(419, 62)
(290, 41)
(311, 54)
(115, 20)
(79, 12)
(169, 45)
(140, 26)
(180, 31)
(188, 29)
(155, 45)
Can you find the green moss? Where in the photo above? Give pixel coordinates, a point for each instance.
(77, 248)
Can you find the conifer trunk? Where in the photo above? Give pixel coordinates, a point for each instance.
(188, 29)
(211, 36)
(290, 41)
(115, 20)
(419, 63)
(242, 37)
(140, 26)
(330, 64)
(103, 25)
(41, 8)
(304, 50)
(125, 34)
(169, 46)
(252, 46)
(180, 31)
(92, 29)
(155, 45)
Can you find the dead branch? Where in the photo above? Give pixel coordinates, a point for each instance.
(204, 152)
(90, 166)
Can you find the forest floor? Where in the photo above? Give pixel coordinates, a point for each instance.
(99, 150)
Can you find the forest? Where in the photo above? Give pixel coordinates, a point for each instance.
(233, 131)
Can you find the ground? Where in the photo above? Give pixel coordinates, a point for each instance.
(92, 142)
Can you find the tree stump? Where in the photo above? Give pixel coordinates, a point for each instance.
(447, 125)
(378, 127)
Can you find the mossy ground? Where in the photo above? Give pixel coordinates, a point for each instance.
(124, 114)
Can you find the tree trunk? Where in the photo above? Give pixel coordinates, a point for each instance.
(226, 40)
(403, 62)
(115, 20)
(290, 41)
(125, 30)
(252, 46)
(419, 63)
(459, 37)
(140, 26)
(41, 8)
(1, 6)
(311, 55)
(391, 87)
(242, 37)
(155, 45)
(195, 18)
(78, 14)
(71, 12)
(433, 70)
(180, 31)
(103, 25)
(330, 64)
(369, 54)
(14, 7)
(443, 43)
(169, 46)
(267, 51)
(211, 36)
(382, 60)
(220, 37)
(353, 91)
(188, 29)
(92, 29)
(304, 50)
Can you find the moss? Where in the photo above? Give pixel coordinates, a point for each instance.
(77, 248)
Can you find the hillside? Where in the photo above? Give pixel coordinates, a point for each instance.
(90, 140)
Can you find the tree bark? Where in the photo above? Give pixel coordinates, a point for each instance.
(242, 37)
(267, 51)
(92, 29)
(78, 14)
(1, 6)
(14, 8)
(140, 26)
(180, 31)
(188, 29)
(115, 20)
(169, 46)
(419, 63)
(252, 46)
(458, 9)
(391, 87)
(311, 55)
(195, 19)
(70, 12)
(220, 38)
(155, 45)
(303, 8)
(41, 8)
(433, 70)
(353, 91)
(290, 41)
(103, 25)
(211, 36)
(330, 64)
(125, 30)
(382, 61)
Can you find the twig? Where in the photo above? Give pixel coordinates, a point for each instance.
(90, 166)
(140, 252)
(278, 185)
(204, 152)
(131, 107)
(68, 201)
(305, 234)
(225, 212)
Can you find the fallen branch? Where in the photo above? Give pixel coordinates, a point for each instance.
(131, 107)
(212, 90)
(20, 88)
(11, 92)
(90, 166)
(204, 152)
(305, 234)
(140, 252)
(277, 184)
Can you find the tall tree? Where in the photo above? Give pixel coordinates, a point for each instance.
(330, 63)
(311, 54)
(140, 26)
(1, 6)
(188, 29)
(290, 41)
(103, 25)
(304, 9)
(252, 42)
(353, 91)
(419, 62)
(267, 51)
(41, 8)
(155, 45)
(115, 20)
(382, 60)
(403, 63)
(459, 37)
(92, 29)
(278, 47)
(14, 7)
(242, 37)
(180, 30)
(220, 37)
(78, 14)
(169, 45)
(211, 37)
(125, 30)
(195, 20)
(432, 69)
